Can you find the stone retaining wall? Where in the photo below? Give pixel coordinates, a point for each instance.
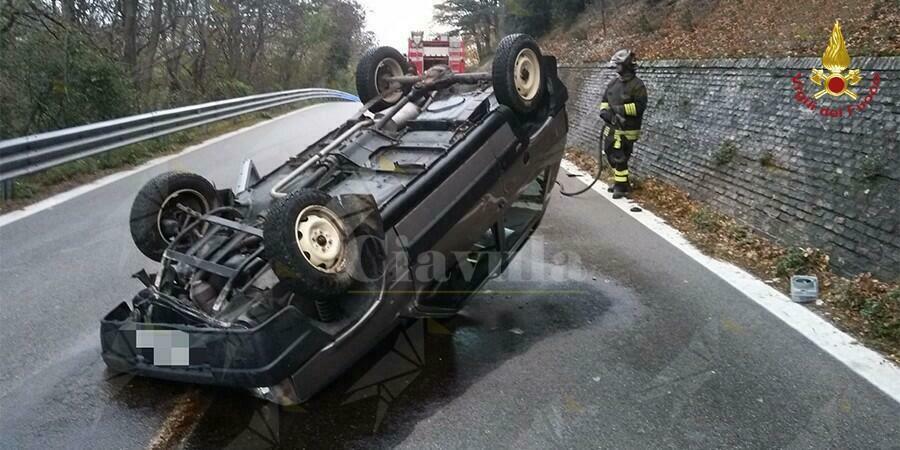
(732, 133)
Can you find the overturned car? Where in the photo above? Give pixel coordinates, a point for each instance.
(285, 282)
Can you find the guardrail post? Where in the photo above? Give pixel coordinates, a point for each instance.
(9, 189)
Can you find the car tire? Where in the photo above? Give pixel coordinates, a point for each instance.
(155, 220)
(373, 67)
(308, 243)
(516, 84)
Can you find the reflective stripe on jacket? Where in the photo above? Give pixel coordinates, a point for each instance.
(627, 99)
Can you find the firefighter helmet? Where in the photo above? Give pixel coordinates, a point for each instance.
(624, 57)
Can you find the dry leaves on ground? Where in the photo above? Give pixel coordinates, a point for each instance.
(727, 29)
(866, 308)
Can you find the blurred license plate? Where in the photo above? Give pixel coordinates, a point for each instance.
(170, 347)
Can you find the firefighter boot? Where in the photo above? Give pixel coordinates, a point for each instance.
(621, 188)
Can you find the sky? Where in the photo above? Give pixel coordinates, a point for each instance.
(393, 20)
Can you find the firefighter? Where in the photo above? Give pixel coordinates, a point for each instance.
(622, 109)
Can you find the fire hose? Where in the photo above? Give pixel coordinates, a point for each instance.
(596, 177)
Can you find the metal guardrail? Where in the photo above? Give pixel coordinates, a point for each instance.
(30, 154)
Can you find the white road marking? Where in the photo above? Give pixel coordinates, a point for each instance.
(62, 197)
(865, 362)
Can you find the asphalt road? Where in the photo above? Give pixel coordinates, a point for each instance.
(602, 335)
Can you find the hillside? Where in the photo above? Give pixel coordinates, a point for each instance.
(720, 29)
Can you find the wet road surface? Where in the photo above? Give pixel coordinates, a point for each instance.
(601, 334)
(63, 268)
(644, 349)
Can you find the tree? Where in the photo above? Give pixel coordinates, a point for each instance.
(478, 20)
(130, 10)
(69, 62)
(534, 17)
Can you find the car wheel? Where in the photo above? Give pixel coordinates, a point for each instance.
(308, 243)
(372, 72)
(157, 215)
(518, 77)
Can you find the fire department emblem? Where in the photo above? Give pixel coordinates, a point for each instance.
(833, 80)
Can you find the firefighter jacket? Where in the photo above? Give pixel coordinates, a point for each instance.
(626, 100)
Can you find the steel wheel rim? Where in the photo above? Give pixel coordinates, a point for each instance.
(179, 216)
(527, 74)
(387, 68)
(320, 237)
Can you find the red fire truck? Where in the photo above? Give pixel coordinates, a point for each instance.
(443, 49)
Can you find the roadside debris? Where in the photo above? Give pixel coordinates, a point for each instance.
(804, 289)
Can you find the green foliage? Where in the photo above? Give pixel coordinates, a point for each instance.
(706, 220)
(61, 70)
(229, 88)
(533, 17)
(344, 19)
(767, 159)
(344, 81)
(725, 153)
(57, 85)
(740, 234)
(800, 261)
(479, 20)
(878, 305)
(872, 166)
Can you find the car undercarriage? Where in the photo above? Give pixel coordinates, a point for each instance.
(279, 285)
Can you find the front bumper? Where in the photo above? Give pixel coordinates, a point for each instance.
(238, 357)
